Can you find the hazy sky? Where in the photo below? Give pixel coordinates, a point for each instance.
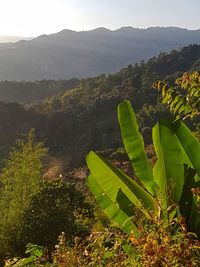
(35, 17)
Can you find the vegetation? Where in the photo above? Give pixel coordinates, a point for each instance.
(21, 178)
(63, 208)
(184, 99)
(155, 247)
(72, 123)
(155, 207)
(166, 195)
(31, 207)
(165, 191)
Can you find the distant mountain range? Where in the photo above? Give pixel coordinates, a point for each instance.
(12, 39)
(70, 54)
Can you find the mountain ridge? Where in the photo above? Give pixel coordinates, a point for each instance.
(84, 54)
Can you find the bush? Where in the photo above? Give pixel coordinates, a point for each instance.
(57, 207)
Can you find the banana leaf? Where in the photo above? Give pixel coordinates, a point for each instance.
(111, 208)
(189, 143)
(169, 168)
(111, 179)
(134, 145)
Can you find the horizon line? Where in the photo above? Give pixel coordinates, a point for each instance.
(98, 28)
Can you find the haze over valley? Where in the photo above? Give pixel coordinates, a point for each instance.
(12, 39)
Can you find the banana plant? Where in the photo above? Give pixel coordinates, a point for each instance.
(163, 191)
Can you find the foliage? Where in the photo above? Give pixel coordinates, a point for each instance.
(99, 249)
(21, 178)
(57, 207)
(36, 258)
(183, 99)
(105, 248)
(162, 245)
(158, 245)
(164, 191)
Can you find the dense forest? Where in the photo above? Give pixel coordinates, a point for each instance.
(72, 122)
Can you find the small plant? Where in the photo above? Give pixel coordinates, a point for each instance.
(36, 257)
(63, 254)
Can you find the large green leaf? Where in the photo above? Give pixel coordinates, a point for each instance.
(111, 180)
(169, 168)
(111, 208)
(134, 145)
(189, 143)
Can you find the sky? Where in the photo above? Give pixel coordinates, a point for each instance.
(35, 17)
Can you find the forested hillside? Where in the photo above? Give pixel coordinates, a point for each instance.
(84, 118)
(30, 92)
(83, 54)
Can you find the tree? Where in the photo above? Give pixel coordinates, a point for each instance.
(21, 178)
(58, 207)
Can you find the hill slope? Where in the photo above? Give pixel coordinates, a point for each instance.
(85, 54)
(84, 118)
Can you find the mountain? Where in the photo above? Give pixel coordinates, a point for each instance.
(84, 118)
(12, 39)
(89, 53)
